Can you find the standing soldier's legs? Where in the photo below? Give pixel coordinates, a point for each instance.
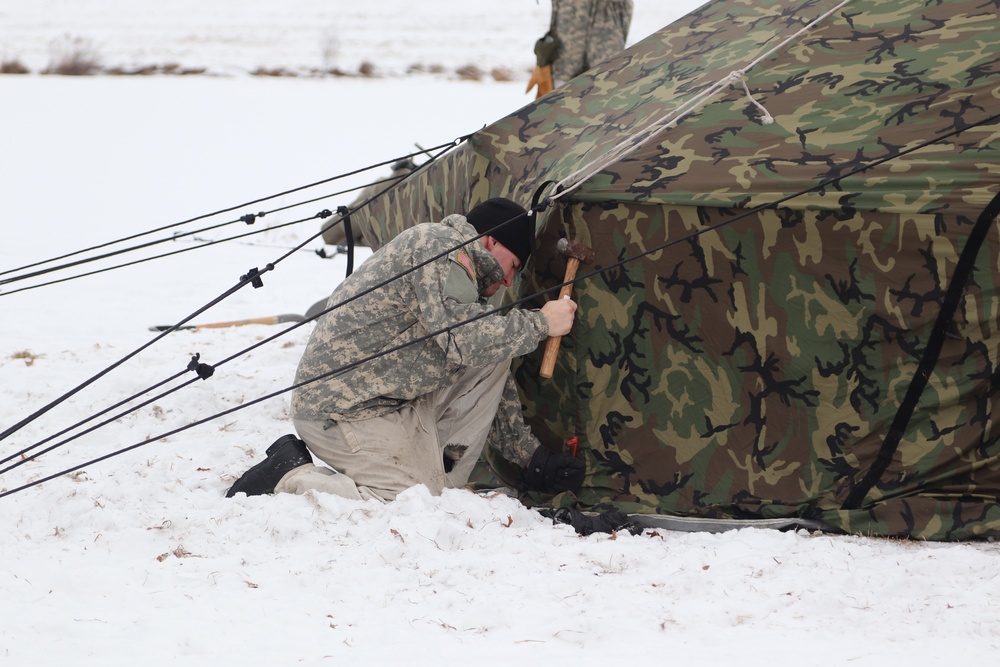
(572, 19)
(608, 30)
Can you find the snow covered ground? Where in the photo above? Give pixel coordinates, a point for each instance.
(299, 36)
(139, 558)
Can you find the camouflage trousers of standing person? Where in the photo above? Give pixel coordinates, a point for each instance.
(383, 456)
(590, 32)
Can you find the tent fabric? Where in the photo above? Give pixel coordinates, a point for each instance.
(767, 331)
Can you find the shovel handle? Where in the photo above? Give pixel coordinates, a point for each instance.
(274, 319)
(552, 344)
(239, 323)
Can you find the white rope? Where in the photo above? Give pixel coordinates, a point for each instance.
(631, 144)
(765, 117)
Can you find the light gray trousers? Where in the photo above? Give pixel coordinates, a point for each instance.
(381, 457)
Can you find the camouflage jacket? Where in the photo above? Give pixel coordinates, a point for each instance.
(440, 294)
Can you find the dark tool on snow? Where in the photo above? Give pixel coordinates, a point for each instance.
(314, 310)
(575, 253)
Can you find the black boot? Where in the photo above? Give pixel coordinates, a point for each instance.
(287, 453)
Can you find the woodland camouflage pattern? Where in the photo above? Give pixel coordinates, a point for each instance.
(589, 32)
(770, 335)
(374, 317)
(334, 232)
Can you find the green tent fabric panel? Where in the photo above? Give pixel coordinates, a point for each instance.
(753, 371)
(868, 82)
(873, 80)
(937, 518)
(878, 80)
(577, 123)
(428, 195)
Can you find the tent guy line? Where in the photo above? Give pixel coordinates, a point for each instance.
(199, 246)
(248, 219)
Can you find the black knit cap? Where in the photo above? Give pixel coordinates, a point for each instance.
(518, 235)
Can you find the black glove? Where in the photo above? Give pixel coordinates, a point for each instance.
(610, 521)
(554, 472)
(546, 49)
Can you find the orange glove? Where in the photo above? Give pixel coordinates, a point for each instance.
(541, 77)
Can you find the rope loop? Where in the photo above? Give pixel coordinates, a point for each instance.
(538, 205)
(766, 118)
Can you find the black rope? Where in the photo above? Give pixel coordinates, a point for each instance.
(103, 412)
(22, 455)
(319, 252)
(322, 214)
(160, 256)
(248, 219)
(537, 203)
(178, 236)
(86, 383)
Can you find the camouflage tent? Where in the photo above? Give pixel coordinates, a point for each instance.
(798, 318)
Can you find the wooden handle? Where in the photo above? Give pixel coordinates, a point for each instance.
(238, 323)
(274, 319)
(552, 344)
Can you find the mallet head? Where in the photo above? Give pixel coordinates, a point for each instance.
(575, 249)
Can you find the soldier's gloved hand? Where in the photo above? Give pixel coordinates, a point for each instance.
(606, 522)
(554, 472)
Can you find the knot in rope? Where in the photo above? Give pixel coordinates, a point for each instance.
(204, 371)
(766, 117)
(250, 218)
(253, 275)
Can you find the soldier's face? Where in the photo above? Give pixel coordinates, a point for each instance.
(508, 262)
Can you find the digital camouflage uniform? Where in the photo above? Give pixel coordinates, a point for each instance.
(433, 297)
(590, 32)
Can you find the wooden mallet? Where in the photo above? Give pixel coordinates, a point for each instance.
(575, 253)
